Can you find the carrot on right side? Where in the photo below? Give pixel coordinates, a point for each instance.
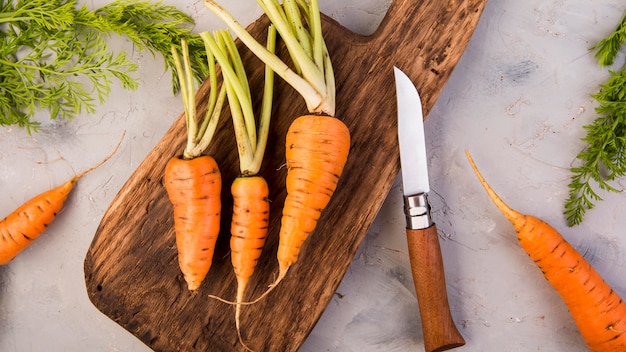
(598, 311)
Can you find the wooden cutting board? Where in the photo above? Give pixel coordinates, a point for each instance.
(131, 268)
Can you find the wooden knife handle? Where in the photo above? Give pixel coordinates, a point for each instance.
(440, 332)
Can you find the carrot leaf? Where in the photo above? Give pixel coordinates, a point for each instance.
(55, 57)
(604, 158)
(608, 48)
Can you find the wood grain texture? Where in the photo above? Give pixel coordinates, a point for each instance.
(131, 269)
(440, 332)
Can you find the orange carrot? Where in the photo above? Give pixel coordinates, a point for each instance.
(599, 312)
(20, 228)
(250, 191)
(316, 151)
(249, 227)
(193, 187)
(193, 182)
(317, 143)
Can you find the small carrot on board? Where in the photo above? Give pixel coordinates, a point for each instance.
(193, 182)
(20, 228)
(251, 207)
(317, 144)
(599, 313)
(249, 227)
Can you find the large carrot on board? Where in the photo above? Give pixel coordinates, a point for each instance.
(599, 312)
(26, 223)
(251, 207)
(317, 144)
(193, 181)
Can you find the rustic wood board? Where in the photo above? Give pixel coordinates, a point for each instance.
(131, 268)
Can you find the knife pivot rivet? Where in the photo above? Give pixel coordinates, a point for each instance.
(417, 211)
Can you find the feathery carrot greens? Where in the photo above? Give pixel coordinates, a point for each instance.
(54, 56)
(604, 158)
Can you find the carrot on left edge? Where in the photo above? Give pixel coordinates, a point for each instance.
(193, 181)
(251, 207)
(20, 228)
(598, 311)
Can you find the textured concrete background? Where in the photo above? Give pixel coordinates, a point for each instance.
(517, 100)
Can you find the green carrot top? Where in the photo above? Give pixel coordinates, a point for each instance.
(251, 141)
(313, 75)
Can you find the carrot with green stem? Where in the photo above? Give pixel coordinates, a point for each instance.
(251, 208)
(193, 181)
(26, 223)
(317, 144)
(599, 312)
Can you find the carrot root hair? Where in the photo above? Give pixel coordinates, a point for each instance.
(80, 175)
(270, 288)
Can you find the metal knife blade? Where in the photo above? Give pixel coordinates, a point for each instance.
(439, 331)
(414, 166)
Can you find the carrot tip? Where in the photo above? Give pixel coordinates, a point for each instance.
(243, 343)
(515, 217)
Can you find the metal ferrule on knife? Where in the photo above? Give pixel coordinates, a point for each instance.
(417, 211)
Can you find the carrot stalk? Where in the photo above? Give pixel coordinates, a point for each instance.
(26, 223)
(193, 182)
(315, 84)
(598, 311)
(199, 133)
(317, 143)
(251, 208)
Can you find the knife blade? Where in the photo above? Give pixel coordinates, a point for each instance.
(439, 331)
